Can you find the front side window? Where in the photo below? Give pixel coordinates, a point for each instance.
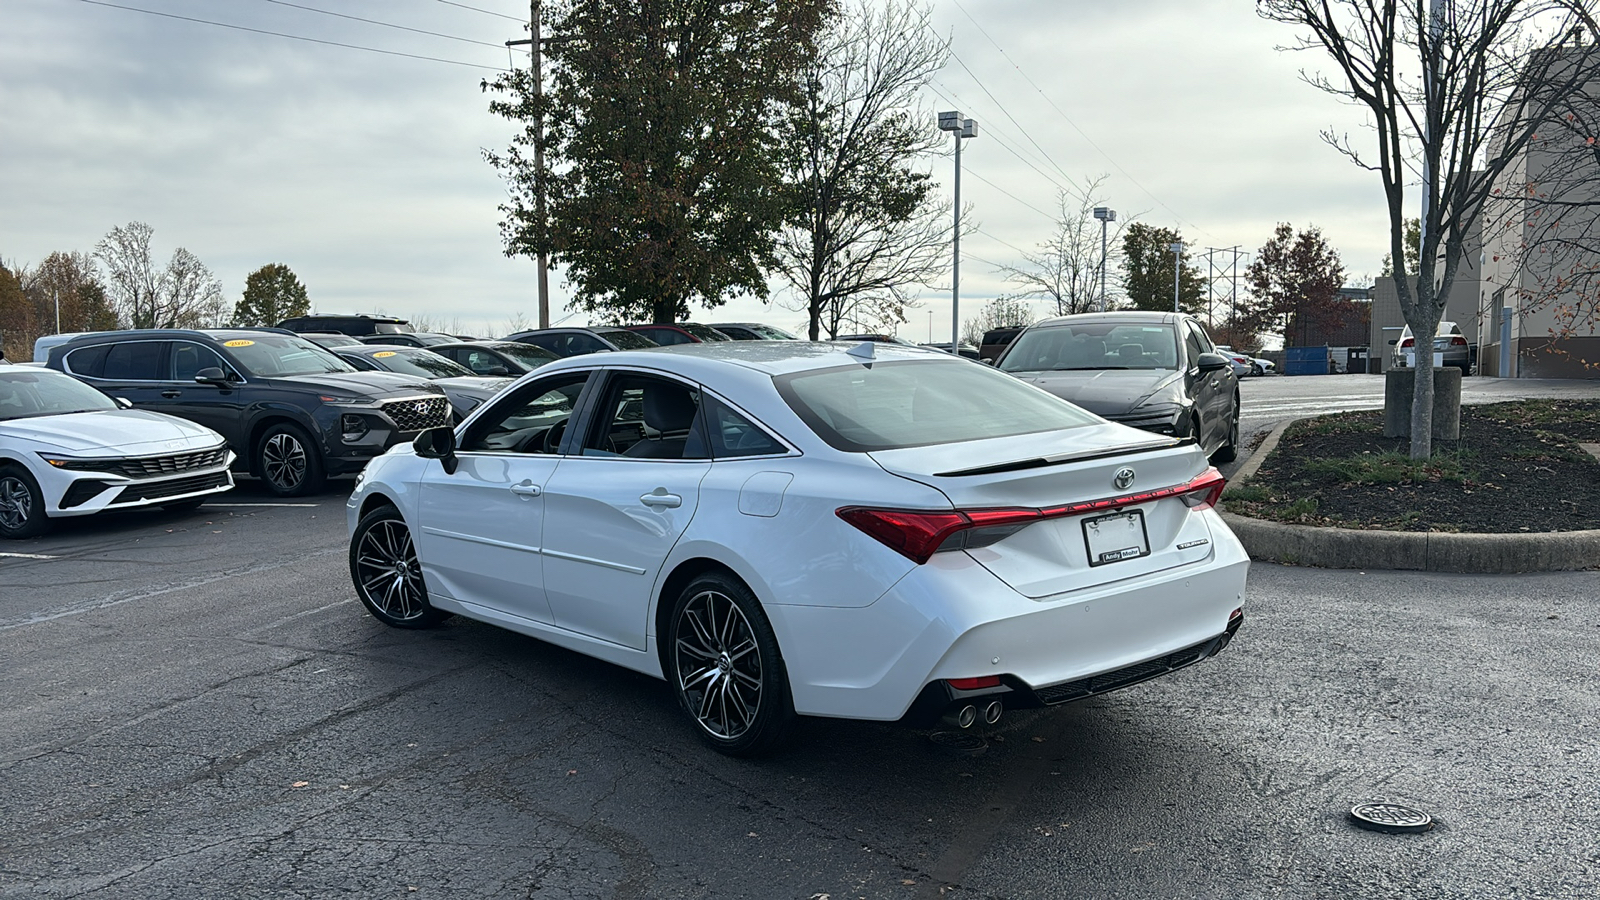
(25, 394)
(891, 405)
(529, 358)
(186, 360)
(646, 417)
(530, 419)
(1195, 343)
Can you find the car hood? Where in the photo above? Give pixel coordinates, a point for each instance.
(375, 385)
(1104, 392)
(119, 432)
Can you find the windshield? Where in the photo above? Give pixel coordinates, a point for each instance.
(772, 334)
(890, 405)
(413, 361)
(283, 356)
(44, 393)
(627, 340)
(1093, 345)
(529, 356)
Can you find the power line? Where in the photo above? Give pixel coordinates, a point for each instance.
(328, 12)
(1051, 217)
(999, 241)
(487, 12)
(995, 134)
(293, 37)
(1074, 125)
(1008, 115)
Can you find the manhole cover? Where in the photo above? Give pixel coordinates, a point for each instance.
(1391, 818)
(959, 742)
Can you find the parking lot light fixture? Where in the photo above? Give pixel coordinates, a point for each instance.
(963, 128)
(1106, 215)
(1177, 271)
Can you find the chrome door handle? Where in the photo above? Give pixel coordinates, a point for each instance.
(172, 395)
(661, 498)
(527, 489)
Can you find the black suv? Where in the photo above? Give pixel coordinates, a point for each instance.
(293, 412)
(355, 326)
(579, 341)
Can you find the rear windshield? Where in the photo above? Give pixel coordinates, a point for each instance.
(886, 406)
(527, 354)
(627, 340)
(703, 332)
(772, 334)
(416, 361)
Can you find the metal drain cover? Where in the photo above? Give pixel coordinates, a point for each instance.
(1391, 818)
(963, 742)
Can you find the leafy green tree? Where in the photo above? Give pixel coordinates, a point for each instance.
(70, 283)
(1147, 266)
(1295, 281)
(16, 316)
(867, 226)
(662, 172)
(1413, 250)
(272, 293)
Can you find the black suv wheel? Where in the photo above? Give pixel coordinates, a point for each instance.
(287, 460)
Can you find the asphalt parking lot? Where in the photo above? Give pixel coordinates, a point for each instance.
(197, 705)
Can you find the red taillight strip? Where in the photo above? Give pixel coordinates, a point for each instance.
(917, 534)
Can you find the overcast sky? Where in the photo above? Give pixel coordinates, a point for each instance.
(364, 172)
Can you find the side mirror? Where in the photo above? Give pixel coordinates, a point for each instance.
(211, 375)
(1393, 341)
(440, 444)
(1211, 362)
(122, 402)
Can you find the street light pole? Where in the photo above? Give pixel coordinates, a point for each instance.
(962, 128)
(1106, 215)
(1177, 271)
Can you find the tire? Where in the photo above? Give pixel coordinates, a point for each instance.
(21, 504)
(193, 503)
(723, 662)
(288, 462)
(386, 574)
(1229, 451)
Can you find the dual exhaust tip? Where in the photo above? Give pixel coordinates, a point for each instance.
(967, 715)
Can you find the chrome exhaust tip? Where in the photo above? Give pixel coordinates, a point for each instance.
(991, 712)
(967, 716)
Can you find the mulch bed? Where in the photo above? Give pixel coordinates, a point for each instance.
(1516, 468)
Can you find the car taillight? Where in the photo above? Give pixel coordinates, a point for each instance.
(918, 534)
(974, 684)
(1457, 341)
(1407, 342)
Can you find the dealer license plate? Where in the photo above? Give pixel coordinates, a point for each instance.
(1116, 537)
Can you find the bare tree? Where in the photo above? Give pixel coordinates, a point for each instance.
(1441, 82)
(1067, 269)
(867, 227)
(1003, 312)
(183, 294)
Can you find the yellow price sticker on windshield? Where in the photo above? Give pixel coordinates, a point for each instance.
(382, 353)
(240, 343)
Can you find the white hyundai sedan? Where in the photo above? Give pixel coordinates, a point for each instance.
(68, 450)
(781, 528)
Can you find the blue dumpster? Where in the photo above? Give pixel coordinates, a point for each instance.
(1306, 361)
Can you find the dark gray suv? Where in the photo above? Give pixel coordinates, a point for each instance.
(293, 412)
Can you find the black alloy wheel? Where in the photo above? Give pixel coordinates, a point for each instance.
(387, 574)
(288, 462)
(21, 504)
(723, 661)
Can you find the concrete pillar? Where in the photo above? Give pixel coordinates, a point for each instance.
(1398, 385)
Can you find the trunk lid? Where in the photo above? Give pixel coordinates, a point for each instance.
(1055, 469)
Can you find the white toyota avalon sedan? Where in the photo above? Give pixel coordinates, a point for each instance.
(781, 528)
(68, 450)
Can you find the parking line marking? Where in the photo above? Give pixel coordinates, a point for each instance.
(278, 505)
(28, 556)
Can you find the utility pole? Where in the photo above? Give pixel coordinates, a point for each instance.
(962, 128)
(535, 45)
(1230, 272)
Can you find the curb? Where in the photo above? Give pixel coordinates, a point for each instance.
(1426, 551)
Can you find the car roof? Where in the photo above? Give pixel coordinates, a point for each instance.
(1132, 315)
(771, 358)
(217, 334)
(370, 349)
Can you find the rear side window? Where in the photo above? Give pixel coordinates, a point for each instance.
(136, 361)
(917, 403)
(90, 362)
(733, 435)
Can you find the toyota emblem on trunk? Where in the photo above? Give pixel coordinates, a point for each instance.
(1123, 479)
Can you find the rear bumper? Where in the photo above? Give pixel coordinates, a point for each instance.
(952, 618)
